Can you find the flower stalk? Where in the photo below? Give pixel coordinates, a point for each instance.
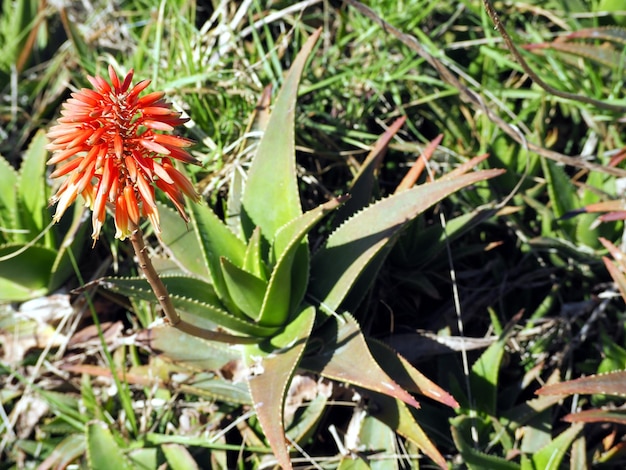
(112, 146)
(165, 301)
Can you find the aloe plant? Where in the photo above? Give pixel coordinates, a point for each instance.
(257, 279)
(34, 257)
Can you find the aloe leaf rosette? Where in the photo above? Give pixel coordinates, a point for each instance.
(262, 284)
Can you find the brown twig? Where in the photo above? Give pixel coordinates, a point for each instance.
(162, 295)
(477, 100)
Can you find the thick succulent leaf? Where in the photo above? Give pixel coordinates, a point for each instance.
(407, 376)
(272, 365)
(290, 275)
(145, 458)
(103, 452)
(350, 248)
(484, 377)
(179, 348)
(33, 191)
(551, 456)
(67, 451)
(182, 244)
(395, 414)
(345, 357)
(256, 126)
(596, 416)
(472, 457)
(362, 186)
(353, 462)
(253, 260)
(216, 242)
(195, 302)
(295, 230)
(305, 425)
(245, 289)
(8, 198)
(27, 274)
(218, 389)
(562, 192)
(72, 240)
(379, 439)
(612, 383)
(271, 198)
(178, 457)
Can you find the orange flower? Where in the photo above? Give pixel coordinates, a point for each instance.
(111, 147)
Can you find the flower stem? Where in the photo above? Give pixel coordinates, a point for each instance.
(162, 295)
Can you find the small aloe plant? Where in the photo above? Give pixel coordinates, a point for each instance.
(254, 281)
(34, 256)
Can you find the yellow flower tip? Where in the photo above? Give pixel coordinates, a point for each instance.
(113, 148)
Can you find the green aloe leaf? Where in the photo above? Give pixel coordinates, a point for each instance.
(253, 260)
(349, 249)
(562, 192)
(195, 302)
(189, 351)
(216, 388)
(305, 424)
(33, 191)
(290, 275)
(472, 457)
(62, 267)
(380, 439)
(256, 125)
(65, 452)
(271, 198)
(272, 366)
(343, 347)
(216, 242)
(103, 452)
(182, 244)
(351, 462)
(178, 457)
(8, 200)
(397, 416)
(25, 275)
(551, 456)
(484, 377)
(245, 289)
